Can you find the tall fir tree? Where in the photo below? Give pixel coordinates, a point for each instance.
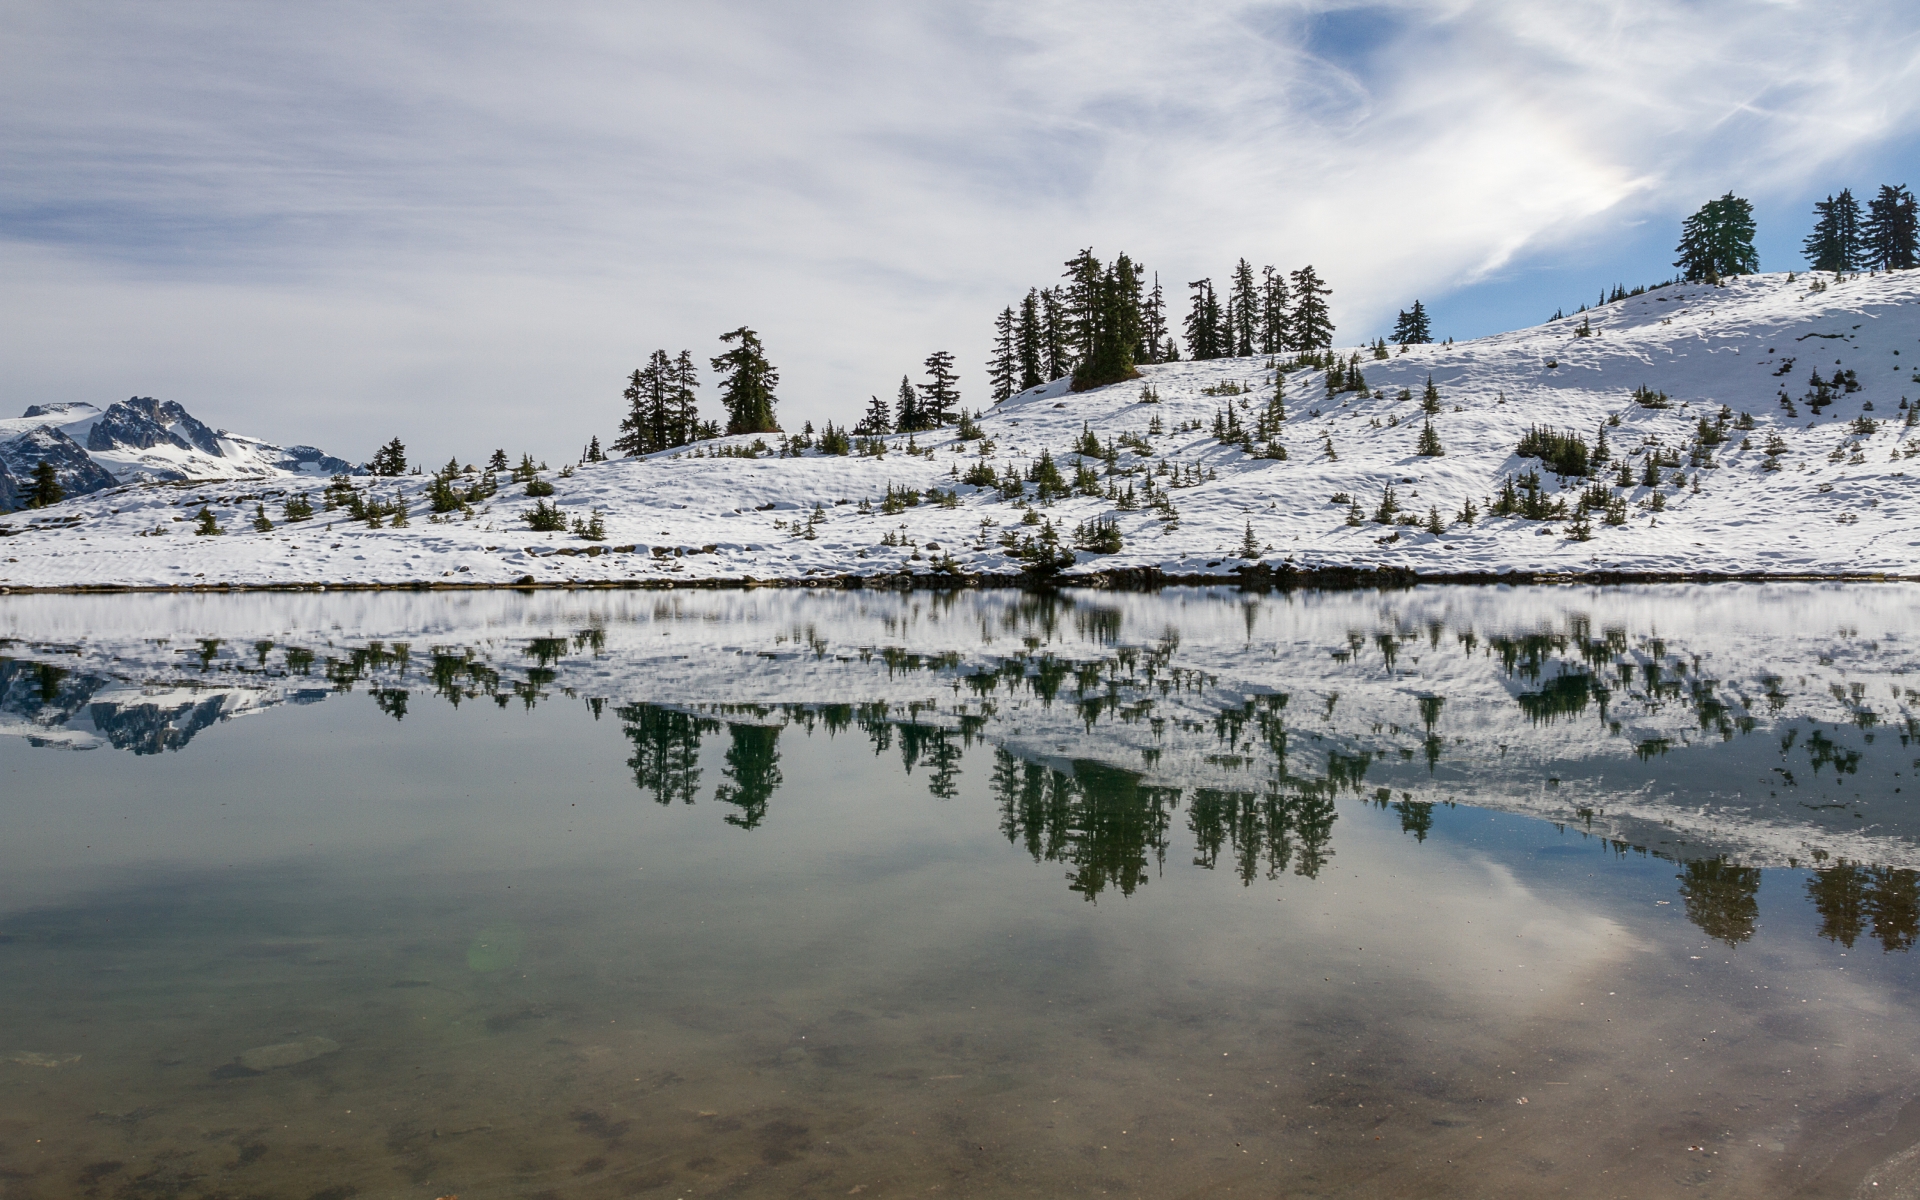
(940, 397)
(747, 386)
(1003, 369)
(1274, 321)
(908, 416)
(1056, 342)
(1835, 243)
(1717, 241)
(1081, 296)
(1411, 327)
(1113, 332)
(1244, 304)
(687, 426)
(1153, 324)
(1028, 336)
(649, 397)
(1891, 235)
(1204, 321)
(878, 419)
(46, 490)
(1312, 320)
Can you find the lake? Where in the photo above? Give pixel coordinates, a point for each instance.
(1439, 892)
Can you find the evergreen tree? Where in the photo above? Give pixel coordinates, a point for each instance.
(262, 523)
(498, 462)
(1082, 297)
(1113, 331)
(652, 420)
(1430, 398)
(747, 390)
(1835, 243)
(1003, 370)
(594, 452)
(1153, 324)
(940, 396)
(390, 459)
(1056, 354)
(908, 414)
(1244, 304)
(878, 420)
(1429, 442)
(687, 426)
(1312, 322)
(1204, 321)
(1027, 336)
(1273, 312)
(1717, 241)
(1411, 328)
(1891, 235)
(206, 524)
(46, 487)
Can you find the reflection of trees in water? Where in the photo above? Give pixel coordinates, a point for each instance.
(666, 750)
(1850, 897)
(753, 773)
(1721, 898)
(1263, 832)
(1101, 820)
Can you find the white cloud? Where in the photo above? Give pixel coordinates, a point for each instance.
(329, 223)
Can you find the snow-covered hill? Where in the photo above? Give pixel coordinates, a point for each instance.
(1784, 478)
(139, 440)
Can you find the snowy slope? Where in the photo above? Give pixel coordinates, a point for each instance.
(1842, 503)
(1770, 722)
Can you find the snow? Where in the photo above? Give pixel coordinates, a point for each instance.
(1145, 681)
(1844, 503)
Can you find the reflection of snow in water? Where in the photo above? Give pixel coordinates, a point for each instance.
(1764, 722)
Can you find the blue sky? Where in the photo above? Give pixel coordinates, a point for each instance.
(337, 223)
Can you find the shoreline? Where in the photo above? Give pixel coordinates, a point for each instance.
(1127, 579)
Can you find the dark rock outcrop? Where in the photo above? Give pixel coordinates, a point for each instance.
(19, 455)
(142, 422)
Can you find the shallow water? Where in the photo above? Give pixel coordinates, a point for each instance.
(779, 894)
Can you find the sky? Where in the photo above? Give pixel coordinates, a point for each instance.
(338, 223)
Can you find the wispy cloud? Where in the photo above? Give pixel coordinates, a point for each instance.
(335, 222)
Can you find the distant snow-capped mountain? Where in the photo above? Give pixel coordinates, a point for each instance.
(138, 440)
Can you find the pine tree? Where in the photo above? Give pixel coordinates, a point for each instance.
(1003, 369)
(262, 523)
(1312, 322)
(1056, 354)
(908, 416)
(1153, 324)
(298, 508)
(1430, 398)
(1027, 336)
(940, 396)
(1082, 296)
(1244, 303)
(650, 424)
(205, 524)
(390, 459)
(1891, 235)
(1429, 446)
(1835, 243)
(1274, 338)
(1717, 241)
(1205, 334)
(687, 426)
(46, 487)
(1411, 328)
(747, 390)
(594, 452)
(878, 419)
(498, 462)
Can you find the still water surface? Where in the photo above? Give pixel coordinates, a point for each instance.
(1450, 892)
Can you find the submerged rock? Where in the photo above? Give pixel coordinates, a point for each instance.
(286, 1054)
